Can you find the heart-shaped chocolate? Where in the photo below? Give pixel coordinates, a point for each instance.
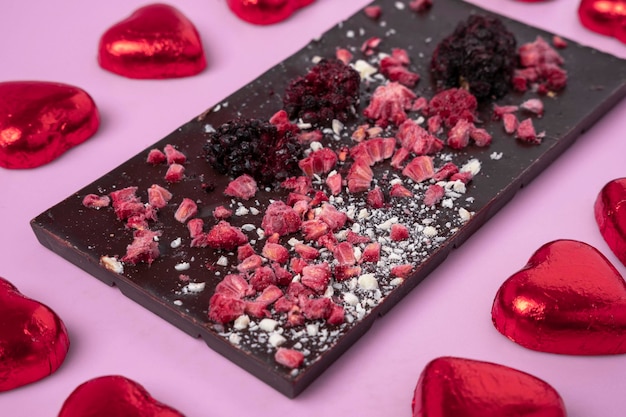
(607, 17)
(33, 339)
(114, 396)
(568, 299)
(40, 120)
(610, 212)
(266, 12)
(457, 387)
(156, 41)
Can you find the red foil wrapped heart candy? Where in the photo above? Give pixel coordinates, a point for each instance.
(114, 396)
(39, 121)
(610, 213)
(568, 299)
(606, 17)
(266, 12)
(457, 387)
(156, 41)
(33, 339)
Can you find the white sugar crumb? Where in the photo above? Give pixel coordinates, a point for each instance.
(208, 128)
(350, 299)
(337, 126)
(350, 34)
(276, 339)
(396, 282)
(316, 59)
(178, 303)
(193, 288)
(312, 329)
(464, 214)
(248, 227)
(234, 338)
(268, 325)
(472, 166)
(174, 244)
(254, 211)
(183, 266)
(241, 211)
(364, 69)
(242, 322)
(429, 231)
(112, 264)
(368, 282)
(399, 5)
(496, 156)
(222, 261)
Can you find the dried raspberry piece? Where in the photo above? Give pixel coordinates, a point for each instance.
(234, 286)
(401, 271)
(144, 247)
(226, 237)
(224, 309)
(526, 132)
(173, 155)
(275, 252)
(222, 213)
(329, 91)
(175, 173)
(96, 201)
(559, 42)
(541, 66)
(459, 135)
(158, 197)
(394, 67)
(500, 111)
(280, 119)
(334, 218)
(433, 195)
(316, 277)
(510, 123)
(262, 277)
(453, 105)
(400, 191)
(126, 203)
(256, 148)
(389, 104)
(281, 219)
(344, 253)
(415, 138)
(243, 186)
(375, 198)
(334, 183)
(155, 157)
(186, 210)
(315, 308)
(419, 169)
(398, 232)
(289, 357)
(533, 105)
(446, 171)
(371, 253)
(539, 52)
(480, 54)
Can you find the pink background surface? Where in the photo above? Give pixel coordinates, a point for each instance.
(449, 314)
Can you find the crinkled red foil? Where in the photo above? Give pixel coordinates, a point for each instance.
(607, 17)
(610, 213)
(266, 12)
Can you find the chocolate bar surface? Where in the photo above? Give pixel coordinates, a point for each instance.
(596, 81)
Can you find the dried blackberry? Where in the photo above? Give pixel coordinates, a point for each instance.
(330, 90)
(256, 148)
(480, 55)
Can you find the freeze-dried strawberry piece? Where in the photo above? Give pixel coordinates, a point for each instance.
(275, 252)
(453, 105)
(126, 203)
(419, 169)
(222, 213)
(395, 68)
(389, 104)
(301, 184)
(400, 191)
(293, 198)
(225, 236)
(336, 316)
(262, 277)
(329, 241)
(280, 218)
(371, 253)
(344, 272)
(320, 197)
(399, 157)
(459, 135)
(510, 123)
(446, 171)
(301, 208)
(306, 251)
(158, 197)
(144, 247)
(315, 308)
(465, 177)
(244, 252)
(344, 253)
(334, 218)
(316, 277)
(368, 47)
(250, 263)
(334, 183)
(402, 271)
(526, 132)
(175, 173)
(433, 195)
(359, 177)
(419, 104)
(533, 54)
(297, 265)
(480, 136)
(280, 119)
(269, 295)
(360, 153)
(256, 309)
(173, 155)
(434, 124)
(375, 198)
(343, 55)
(417, 139)
(284, 304)
(195, 227)
(290, 358)
(559, 42)
(296, 289)
(399, 232)
(541, 67)
(295, 317)
(283, 276)
(318, 162)
(186, 210)
(224, 309)
(234, 286)
(355, 238)
(155, 157)
(420, 5)
(533, 105)
(500, 111)
(313, 229)
(96, 201)
(378, 149)
(373, 12)
(244, 186)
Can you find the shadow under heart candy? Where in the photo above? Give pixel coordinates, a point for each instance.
(33, 339)
(114, 396)
(457, 387)
(610, 213)
(568, 299)
(156, 41)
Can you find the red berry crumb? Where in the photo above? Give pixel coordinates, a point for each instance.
(420, 5)
(399, 232)
(373, 12)
(186, 210)
(453, 105)
(289, 357)
(389, 104)
(226, 237)
(175, 173)
(526, 132)
(156, 157)
(419, 169)
(158, 197)
(243, 186)
(433, 194)
(96, 201)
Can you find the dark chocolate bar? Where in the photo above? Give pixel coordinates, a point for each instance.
(178, 284)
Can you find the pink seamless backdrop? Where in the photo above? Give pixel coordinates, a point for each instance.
(448, 314)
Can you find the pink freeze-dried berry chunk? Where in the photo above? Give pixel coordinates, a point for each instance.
(144, 247)
(420, 168)
(96, 201)
(316, 277)
(389, 104)
(156, 157)
(399, 232)
(244, 186)
(173, 155)
(281, 219)
(158, 196)
(225, 236)
(186, 210)
(290, 358)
